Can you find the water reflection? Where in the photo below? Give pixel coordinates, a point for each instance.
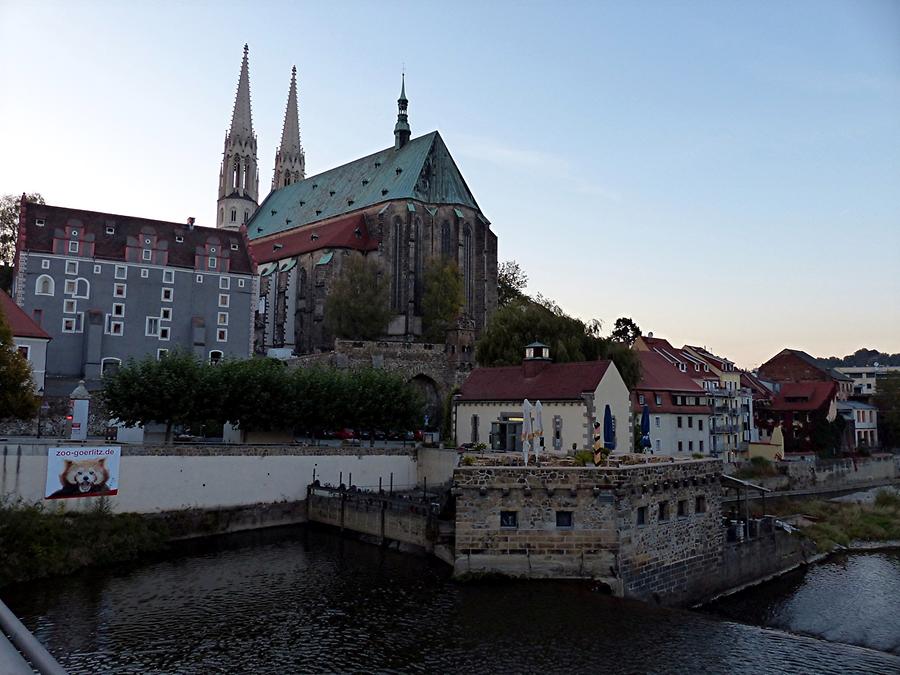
(285, 603)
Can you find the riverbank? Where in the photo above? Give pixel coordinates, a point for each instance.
(832, 524)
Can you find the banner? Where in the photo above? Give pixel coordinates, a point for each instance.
(78, 471)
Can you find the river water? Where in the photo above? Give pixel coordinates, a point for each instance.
(298, 601)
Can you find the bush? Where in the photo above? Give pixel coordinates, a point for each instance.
(584, 458)
(887, 499)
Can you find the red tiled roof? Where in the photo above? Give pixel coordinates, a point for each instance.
(127, 231)
(804, 396)
(19, 322)
(658, 374)
(555, 382)
(350, 232)
(753, 383)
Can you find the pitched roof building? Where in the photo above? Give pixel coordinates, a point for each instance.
(795, 365)
(29, 339)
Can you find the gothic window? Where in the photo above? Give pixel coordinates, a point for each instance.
(446, 248)
(397, 266)
(287, 178)
(244, 178)
(468, 269)
(234, 175)
(246, 216)
(301, 283)
(233, 215)
(420, 253)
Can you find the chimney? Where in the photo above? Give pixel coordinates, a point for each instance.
(190, 223)
(537, 357)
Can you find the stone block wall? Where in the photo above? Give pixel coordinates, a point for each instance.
(669, 557)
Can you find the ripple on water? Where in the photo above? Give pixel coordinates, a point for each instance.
(313, 602)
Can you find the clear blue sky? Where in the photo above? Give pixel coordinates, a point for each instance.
(727, 174)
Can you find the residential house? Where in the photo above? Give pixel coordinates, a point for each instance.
(865, 378)
(861, 429)
(801, 408)
(30, 339)
(794, 365)
(574, 396)
(679, 408)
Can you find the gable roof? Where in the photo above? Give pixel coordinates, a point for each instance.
(39, 239)
(19, 322)
(349, 232)
(658, 374)
(422, 170)
(804, 395)
(554, 382)
(814, 362)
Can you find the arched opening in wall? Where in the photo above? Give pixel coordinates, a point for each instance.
(431, 396)
(44, 285)
(446, 247)
(235, 172)
(397, 265)
(468, 269)
(244, 177)
(418, 287)
(110, 366)
(215, 356)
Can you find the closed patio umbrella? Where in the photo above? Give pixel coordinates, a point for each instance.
(645, 428)
(609, 432)
(538, 427)
(526, 429)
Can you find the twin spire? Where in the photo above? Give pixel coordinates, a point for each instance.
(241, 117)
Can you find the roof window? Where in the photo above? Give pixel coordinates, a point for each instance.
(365, 181)
(179, 239)
(384, 192)
(40, 222)
(399, 170)
(234, 246)
(110, 229)
(331, 192)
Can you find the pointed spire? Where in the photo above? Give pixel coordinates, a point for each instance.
(290, 161)
(401, 129)
(242, 118)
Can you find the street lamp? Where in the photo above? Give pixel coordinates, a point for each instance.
(40, 410)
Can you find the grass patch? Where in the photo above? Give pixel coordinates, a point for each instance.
(757, 467)
(842, 522)
(38, 542)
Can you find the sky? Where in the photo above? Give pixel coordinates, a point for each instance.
(726, 174)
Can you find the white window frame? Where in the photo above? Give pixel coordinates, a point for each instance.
(147, 254)
(87, 286)
(168, 276)
(71, 267)
(215, 351)
(109, 359)
(120, 306)
(27, 350)
(40, 222)
(70, 306)
(221, 335)
(165, 332)
(73, 247)
(222, 319)
(240, 283)
(224, 300)
(167, 294)
(165, 314)
(51, 286)
(145, 273)
(110, 230)
(179, 239)
(212, 262)
(121, 271)
(234, 247)
(154, 321)
(98, 269)
(225, 283)
(45, 264)
(70, 287)
(77, 323)
(199, 278)
(120, 287)
(162, 351)
(112, 322)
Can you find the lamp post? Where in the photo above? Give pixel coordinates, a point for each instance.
(40, 410)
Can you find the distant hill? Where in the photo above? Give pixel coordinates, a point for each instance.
(861, 357)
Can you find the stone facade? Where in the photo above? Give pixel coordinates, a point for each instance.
(647, 531)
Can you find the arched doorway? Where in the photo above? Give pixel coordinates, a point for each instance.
(428, 390)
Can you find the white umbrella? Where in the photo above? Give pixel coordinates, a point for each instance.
(538, 427)
(526, 429)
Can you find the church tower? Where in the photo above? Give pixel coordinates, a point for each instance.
(238, 176)
(290, 161)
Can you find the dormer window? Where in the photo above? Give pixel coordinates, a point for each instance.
(40, 222)
(212, 262)
(234, 247)
(179, 239)
(110, 230)
(74, 233)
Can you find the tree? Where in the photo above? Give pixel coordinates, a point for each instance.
(511, 282)
(625, 331)
(358, 305)
(887, 398)
(524, 321)
(168, 391)
(378, 399)
(254, 394)
(442, 300)
(9, 224)
(17, 398)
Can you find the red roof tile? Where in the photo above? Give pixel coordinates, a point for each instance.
(804, 396)
(350, 232)
(19, 322)
(555, 382)
(658, 374)
(126, 232)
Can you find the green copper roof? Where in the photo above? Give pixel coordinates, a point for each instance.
(422, 170)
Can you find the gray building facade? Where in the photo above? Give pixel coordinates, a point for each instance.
(108, 288)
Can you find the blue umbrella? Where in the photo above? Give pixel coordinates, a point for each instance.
(609, 430)
(645, 428)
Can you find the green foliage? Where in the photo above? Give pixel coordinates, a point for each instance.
(524, 321)
(253, 394)
(467, 460)
(38, 543)
(443, 299)
(170, 391)
(625, 331)
(17, 398)
(584, 458)
(378, 399)
(886, 498)
(358, 306)
(9, 223)
(887, 398)
(757, 467)
(511, 282)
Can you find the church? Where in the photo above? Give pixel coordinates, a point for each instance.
(406, 206)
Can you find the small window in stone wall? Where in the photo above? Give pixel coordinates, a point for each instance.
(700, 504)
(664, 510)
(682, 508)
(509, 519)
(642, 515)
(564, 519)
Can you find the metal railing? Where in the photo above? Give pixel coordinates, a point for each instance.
(27, 644)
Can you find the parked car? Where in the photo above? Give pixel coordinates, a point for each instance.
(345, 434)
